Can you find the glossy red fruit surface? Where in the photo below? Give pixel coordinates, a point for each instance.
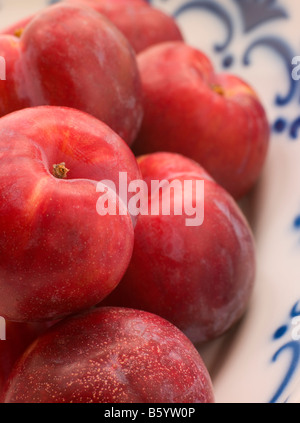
(215, 119)
(142, 24)
(198, 277)
(57, 254)
(73, 56)
(111, 355)
(18, 336)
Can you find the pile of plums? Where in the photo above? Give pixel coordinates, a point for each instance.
(104, 306)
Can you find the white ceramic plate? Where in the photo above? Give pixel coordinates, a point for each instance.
(259, 360)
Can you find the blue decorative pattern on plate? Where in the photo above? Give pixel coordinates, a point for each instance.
(259, 360)
(292, 345)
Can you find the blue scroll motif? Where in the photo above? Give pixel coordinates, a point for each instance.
(293, 348)
(255, 13)
(217, 10)
(284, 51)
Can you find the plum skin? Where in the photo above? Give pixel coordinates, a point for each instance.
(18, 337)
(200, 278)
(216, 119)
(57, 254)
(72, 56)
(110, 355)
(141, 23)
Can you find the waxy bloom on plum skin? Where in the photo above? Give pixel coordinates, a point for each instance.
(216, 119)
(72, 56)
(18, 337)
(200, 278)
(110, 355)
(57, 254)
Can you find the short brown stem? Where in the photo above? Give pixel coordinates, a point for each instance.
(18, 32)
(60, 171)
(218, 89)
